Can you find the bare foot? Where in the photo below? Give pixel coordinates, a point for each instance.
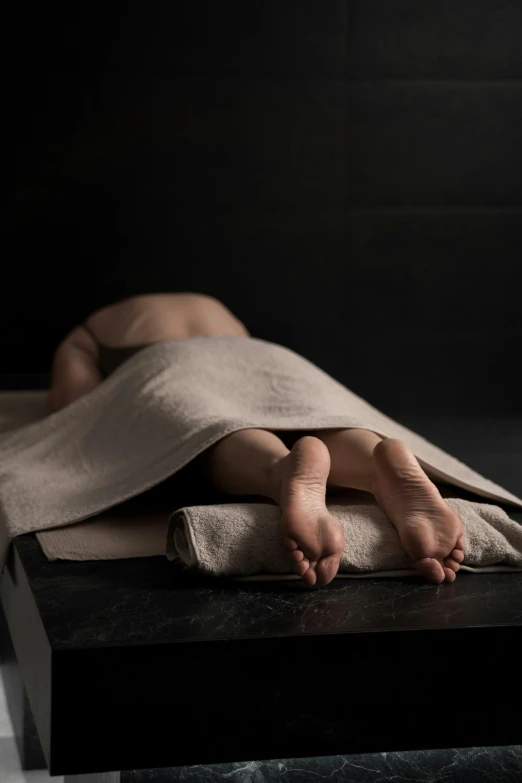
(430, 531)
(313, 537)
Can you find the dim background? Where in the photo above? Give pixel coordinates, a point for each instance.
(345, 176)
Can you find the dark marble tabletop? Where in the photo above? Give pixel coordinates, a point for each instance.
(124, 631)
(460, 765)
(132, 602)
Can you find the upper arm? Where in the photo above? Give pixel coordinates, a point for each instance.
(74, 374)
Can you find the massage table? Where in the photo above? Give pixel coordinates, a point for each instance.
(132, 670)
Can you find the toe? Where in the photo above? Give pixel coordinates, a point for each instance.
(460, 543)
(449, 562)
(327, 569)
(449, 574)
(296, 555)
(457, 555)
(309, 577)
(289, 543)
(431, 569)
(302, 567)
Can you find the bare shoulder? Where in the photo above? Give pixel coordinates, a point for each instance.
(180, 297)
(150, 316)
(155, 300)
(185, 302)
(213, 316)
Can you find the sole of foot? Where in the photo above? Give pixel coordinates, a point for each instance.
(431, 533)
(312, 536)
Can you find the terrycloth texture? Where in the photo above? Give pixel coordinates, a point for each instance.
(244, 540)
(19, 408)
(161, 409)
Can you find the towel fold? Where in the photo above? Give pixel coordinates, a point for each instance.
(162, 408)
(244, 540)
(107, 538)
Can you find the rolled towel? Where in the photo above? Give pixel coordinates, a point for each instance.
(164, 407)
(244, 541)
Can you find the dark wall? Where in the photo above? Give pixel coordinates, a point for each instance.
(345, 176)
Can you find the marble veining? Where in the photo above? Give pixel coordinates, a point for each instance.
(466, 765)
(136, 602)
(133, 601)
(129, 602)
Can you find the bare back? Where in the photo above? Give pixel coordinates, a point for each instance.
(137, 320)
(150, 318)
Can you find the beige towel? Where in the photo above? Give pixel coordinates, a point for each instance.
(244, 540)
(161, 409)
(108, 537)
(18, 408)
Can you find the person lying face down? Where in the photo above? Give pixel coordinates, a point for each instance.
(294, 473)
(94, 349)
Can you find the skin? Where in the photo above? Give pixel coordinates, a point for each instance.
(257, 462)
(138, 320)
